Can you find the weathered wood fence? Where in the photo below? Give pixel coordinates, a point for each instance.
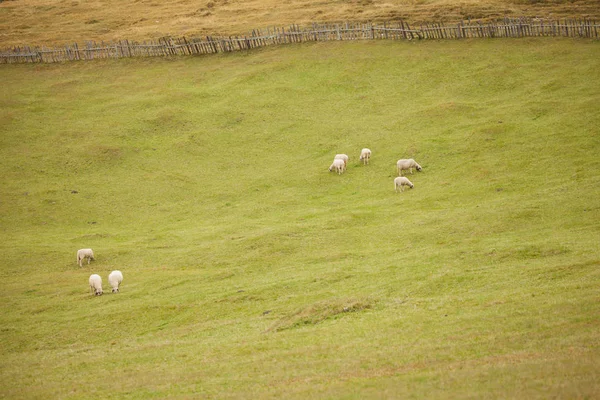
(399, 30)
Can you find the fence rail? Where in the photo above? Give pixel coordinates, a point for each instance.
(398, 30)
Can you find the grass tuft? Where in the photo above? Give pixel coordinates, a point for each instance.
(320, 312)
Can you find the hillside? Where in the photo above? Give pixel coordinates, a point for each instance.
(49, 22)
(251, 271)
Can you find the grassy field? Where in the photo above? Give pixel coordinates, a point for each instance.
(253, 272)
(54, 22)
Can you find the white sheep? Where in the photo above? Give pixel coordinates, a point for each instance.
(342, 157)
(338, 165)
(115, 278)
(365, 155)
(407, 164)
(400, 182)
(96, 284)
(82, 254)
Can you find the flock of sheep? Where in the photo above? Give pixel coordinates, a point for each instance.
(341, 160)
(114, 278)
(339, 164)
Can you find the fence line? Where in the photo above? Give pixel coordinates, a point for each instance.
(397, 30)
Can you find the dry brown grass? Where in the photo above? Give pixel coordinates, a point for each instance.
(55, 22)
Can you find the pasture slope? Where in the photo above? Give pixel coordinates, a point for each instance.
(252, 272)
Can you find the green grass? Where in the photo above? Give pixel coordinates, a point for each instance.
(252, 272)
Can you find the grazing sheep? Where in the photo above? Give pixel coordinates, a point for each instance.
(338, 165)
(400, 182)
(407, 164)
(365, 155)
(82, 254)
(342, 157)
(96, 284)
(115, 278)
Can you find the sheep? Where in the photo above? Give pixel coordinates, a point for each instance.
(407, 164)
(400, 182)
(115, 278)
(338, 165)
(342, 157)
(365, 155)
(82, 254)
(96, 284)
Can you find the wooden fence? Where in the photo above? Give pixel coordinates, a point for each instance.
(399, 30)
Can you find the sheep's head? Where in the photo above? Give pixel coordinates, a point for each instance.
(115, 290)
(419, 168)
(98, 292)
